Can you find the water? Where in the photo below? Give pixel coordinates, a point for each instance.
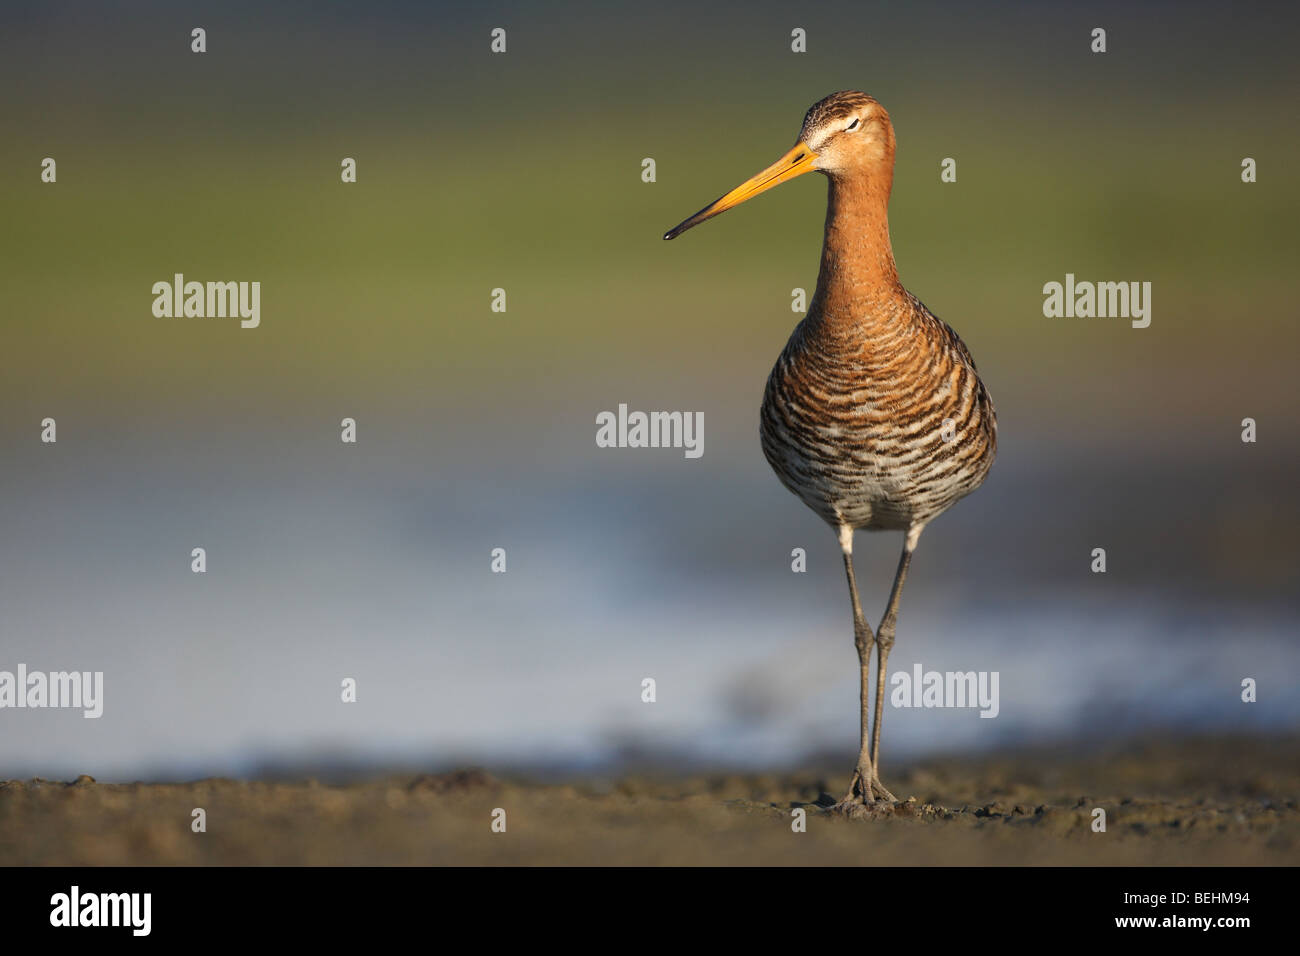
(380, 572)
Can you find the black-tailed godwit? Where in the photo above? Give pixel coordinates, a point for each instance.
(874, 414)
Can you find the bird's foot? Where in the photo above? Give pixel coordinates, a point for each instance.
(864, 801)
(880, 791)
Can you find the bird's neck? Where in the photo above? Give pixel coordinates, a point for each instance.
(858, 283)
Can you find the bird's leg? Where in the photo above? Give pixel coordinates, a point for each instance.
(884, 643)
(860, 788)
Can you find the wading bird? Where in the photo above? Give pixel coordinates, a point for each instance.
(873, 415)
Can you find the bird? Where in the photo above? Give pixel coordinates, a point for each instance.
(874, 415)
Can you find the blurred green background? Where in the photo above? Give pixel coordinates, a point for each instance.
(523, 171)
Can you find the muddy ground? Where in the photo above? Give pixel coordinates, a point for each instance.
(1223, 801)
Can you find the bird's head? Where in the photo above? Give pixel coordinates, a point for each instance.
(850, 133)
(847, 134)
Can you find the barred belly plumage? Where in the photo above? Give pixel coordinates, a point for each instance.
(882, 434)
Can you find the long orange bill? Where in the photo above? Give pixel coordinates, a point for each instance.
(794, 163)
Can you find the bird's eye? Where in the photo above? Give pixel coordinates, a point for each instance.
(852, 126)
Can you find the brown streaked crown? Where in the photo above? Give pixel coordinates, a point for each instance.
(836, 107)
